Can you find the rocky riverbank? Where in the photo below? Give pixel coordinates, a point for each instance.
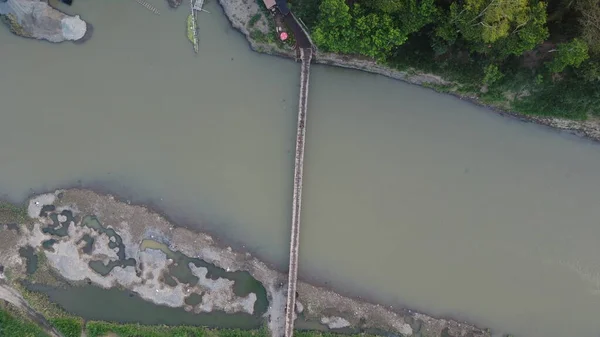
(241, 12)
(89, 238)
(36, 19)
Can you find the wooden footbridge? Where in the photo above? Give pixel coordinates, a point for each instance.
(305, 56)
(305, 50)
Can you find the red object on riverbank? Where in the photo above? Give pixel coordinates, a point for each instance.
(283, 36)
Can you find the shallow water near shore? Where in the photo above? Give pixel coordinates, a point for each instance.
(411, 198)
(115, 305)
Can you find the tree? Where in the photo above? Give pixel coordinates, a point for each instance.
(356, 32)
(333, 28)
(416, 14)
(590, 23)
(375, 34)
(571, 53)
(527, 37)
(513, 24)
(492, 74)
(386, 6)
(589, 71)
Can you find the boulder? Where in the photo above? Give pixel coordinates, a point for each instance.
(36, 19)
(73, 28)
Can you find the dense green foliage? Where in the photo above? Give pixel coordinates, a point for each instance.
(12, 326)
(342, 29)
(569, 54)
(99, 329)
(68, 326)
(532, 56)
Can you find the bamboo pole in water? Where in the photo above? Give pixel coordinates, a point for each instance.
(148, 6)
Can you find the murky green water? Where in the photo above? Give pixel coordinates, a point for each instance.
(116, 305)
(244, 282)
(31, 259)
(411, 198)
(178, 272)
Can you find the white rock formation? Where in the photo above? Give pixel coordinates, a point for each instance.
(73, 28)
(335, 322)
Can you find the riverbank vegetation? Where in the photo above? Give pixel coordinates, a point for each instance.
(530, 56)
(10, 213)
(13, 324)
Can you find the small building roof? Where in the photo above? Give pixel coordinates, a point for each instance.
(269, 3)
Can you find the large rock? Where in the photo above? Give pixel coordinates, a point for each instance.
(35, 18)
(73, 28)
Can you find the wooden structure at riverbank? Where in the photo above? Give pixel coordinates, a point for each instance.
(290, 314)
(148, 6)
(304, 50)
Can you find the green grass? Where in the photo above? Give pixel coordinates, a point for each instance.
(40, 302)
(261, 37)
(254, 19)
(10, 213)
(100, 329)
(67, 324)
(69, 327)
(13, 326)
(190, 28)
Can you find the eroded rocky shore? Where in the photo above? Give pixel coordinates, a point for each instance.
(89, 238)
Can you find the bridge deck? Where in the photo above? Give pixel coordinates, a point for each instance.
(306, 56)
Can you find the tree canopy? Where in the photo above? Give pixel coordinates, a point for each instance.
(503, 46)
(589, 11)
(507, 27)
(386, 6)
(374, 34)
(571, 53)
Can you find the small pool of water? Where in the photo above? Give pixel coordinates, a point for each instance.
(244, 282)
(31, 259)
(114, 305)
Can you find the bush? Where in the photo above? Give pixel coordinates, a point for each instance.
(11, 326)
(100, 329)
(254, 19)
(492, 74)
(69, 327)
(11, 213)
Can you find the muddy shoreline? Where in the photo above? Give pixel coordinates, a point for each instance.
(307, 283)
(223, 243)
(129, 197)
(136, 223)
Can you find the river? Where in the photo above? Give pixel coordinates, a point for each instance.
(411, 198)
